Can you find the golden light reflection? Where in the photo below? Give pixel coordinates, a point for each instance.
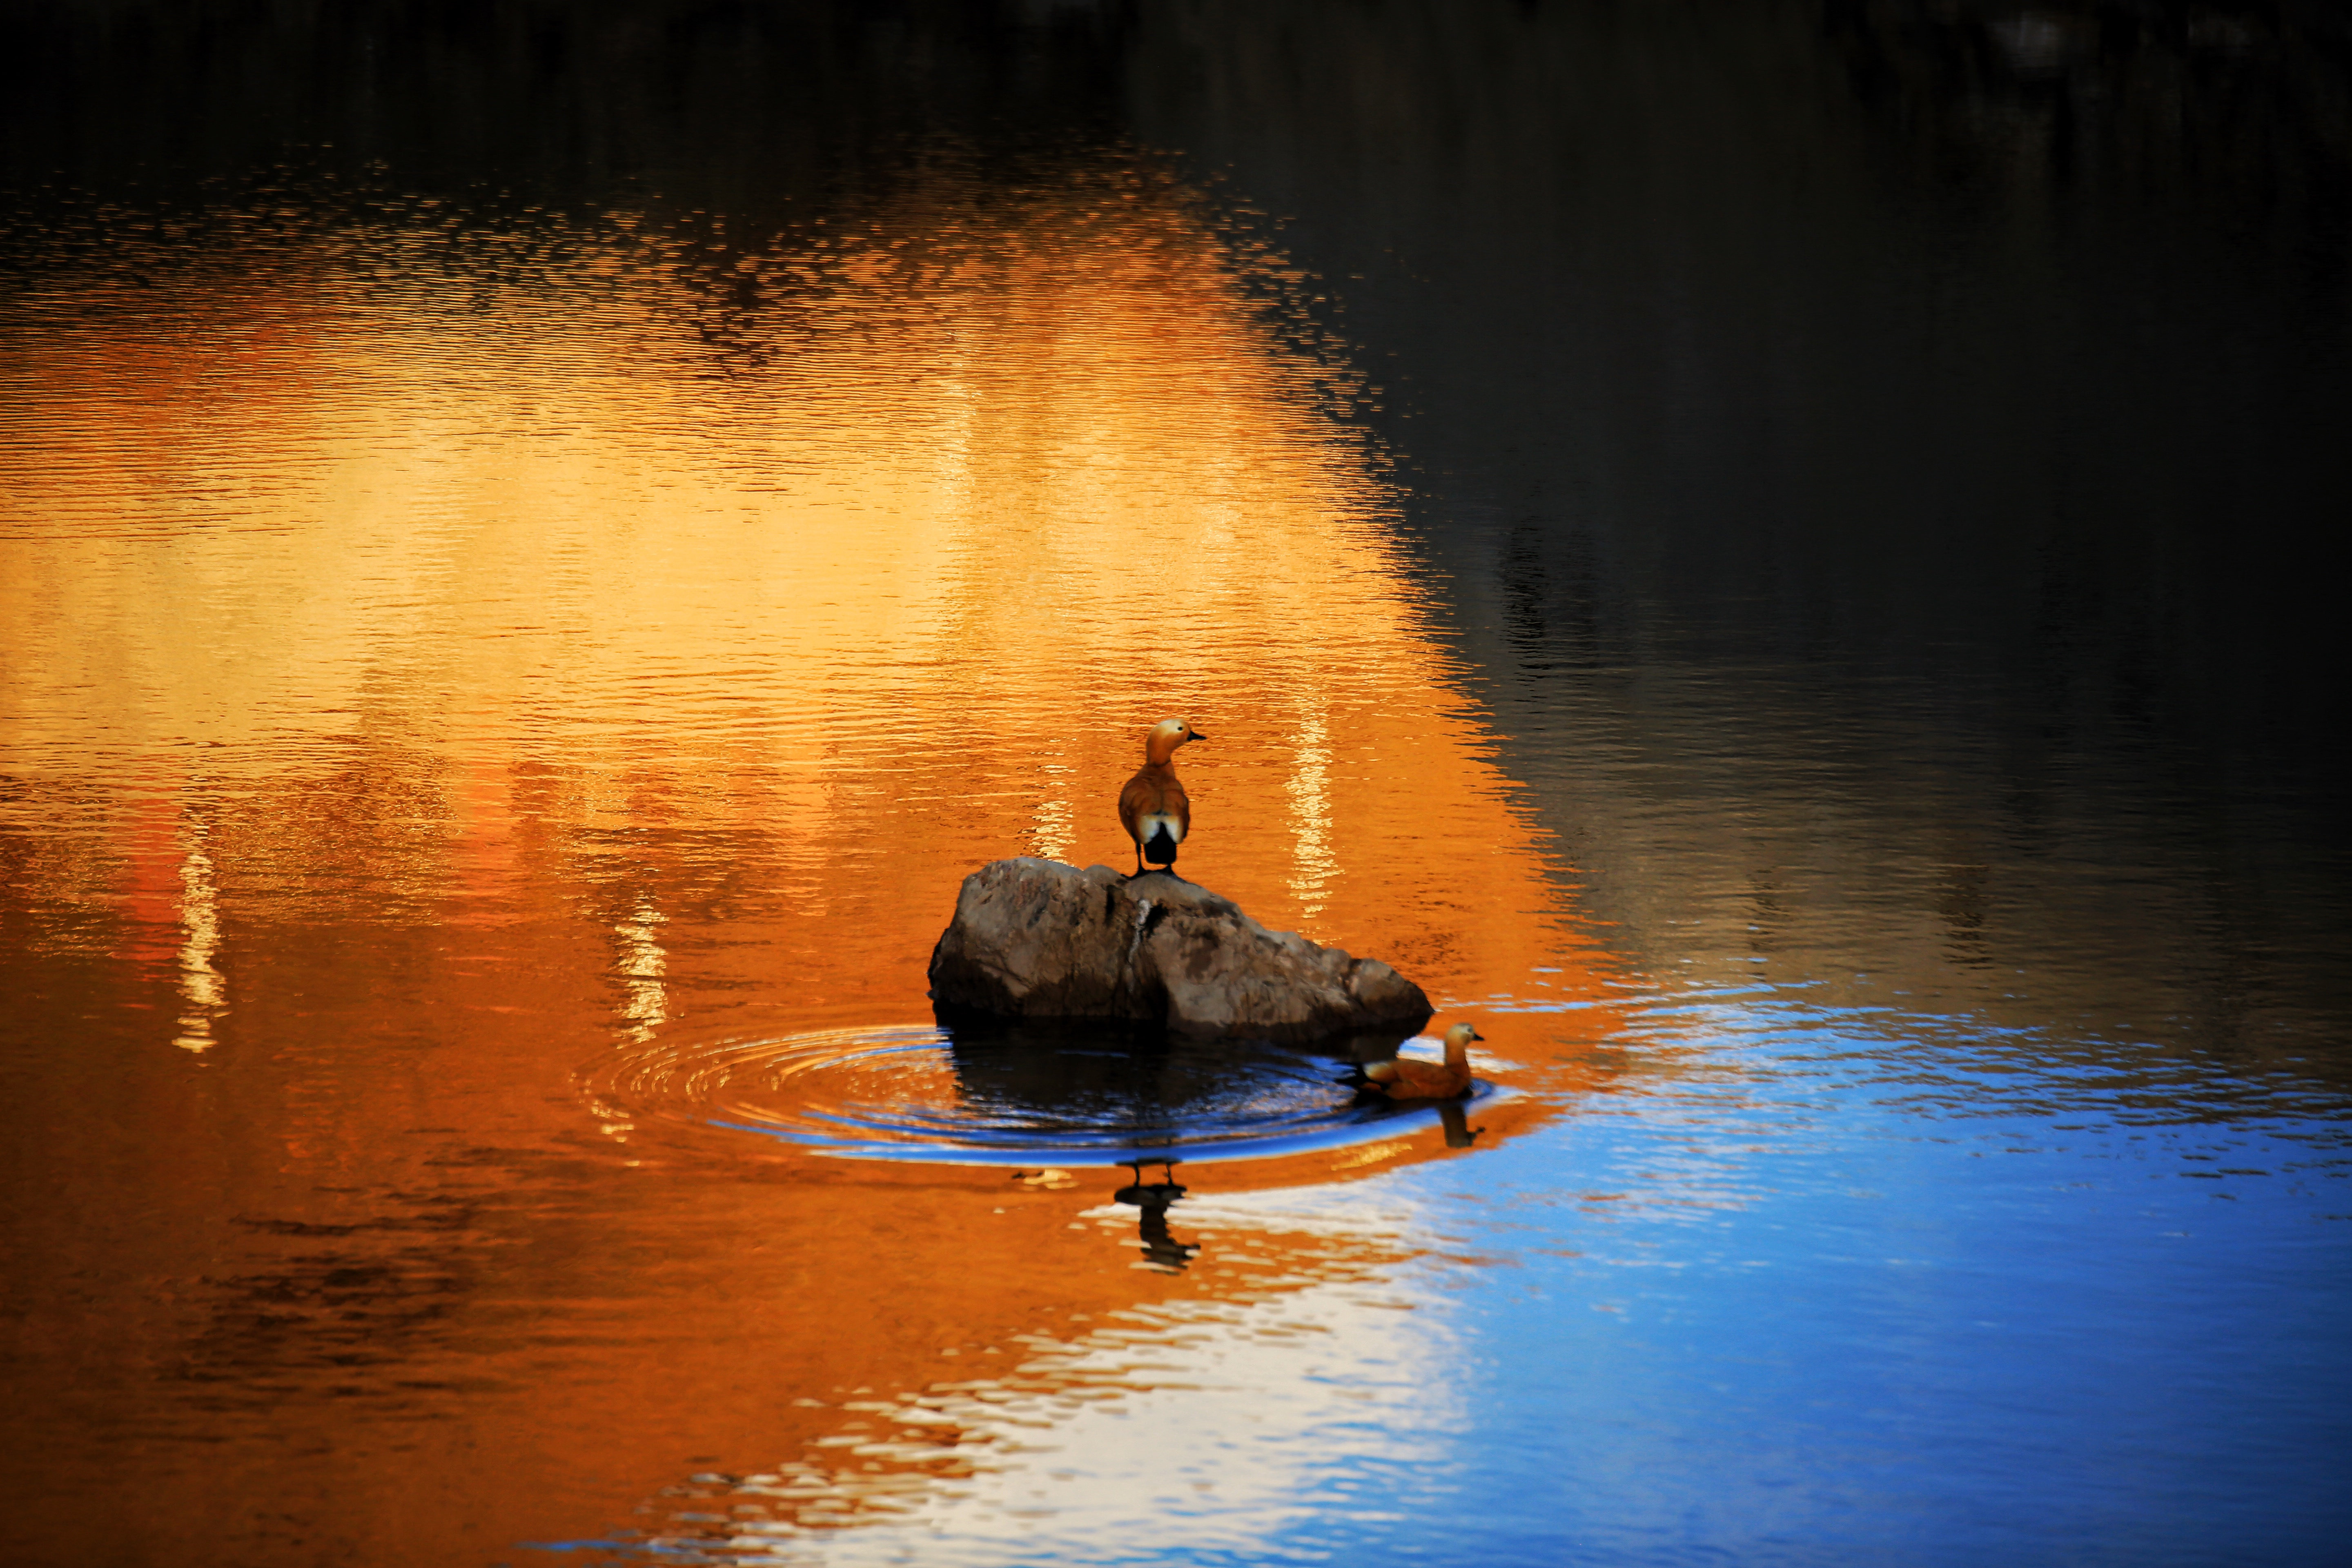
(201, 984)
(642, 965)
(653, 659)
(1309, 788)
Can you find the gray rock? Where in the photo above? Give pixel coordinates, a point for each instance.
(1037, 939)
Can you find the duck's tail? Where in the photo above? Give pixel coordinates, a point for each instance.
(1161, 848)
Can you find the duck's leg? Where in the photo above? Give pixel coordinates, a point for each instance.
(1159, 845)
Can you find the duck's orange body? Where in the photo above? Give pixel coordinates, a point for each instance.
(1406, 1079)
(1153, 807)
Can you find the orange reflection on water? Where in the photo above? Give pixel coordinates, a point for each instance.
(649, 663)
(1009, 482)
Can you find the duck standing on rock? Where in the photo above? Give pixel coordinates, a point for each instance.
(1404, 1078)
(1153, 807)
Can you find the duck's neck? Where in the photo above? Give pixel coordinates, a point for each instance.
(1457, 1053)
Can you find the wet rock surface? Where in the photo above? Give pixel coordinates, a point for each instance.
(1038, 939)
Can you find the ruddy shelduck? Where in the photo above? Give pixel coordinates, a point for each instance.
(1407, 1080)
(1153, 807)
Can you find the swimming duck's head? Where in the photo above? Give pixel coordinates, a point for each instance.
(1459, 1037)
(1166, 736)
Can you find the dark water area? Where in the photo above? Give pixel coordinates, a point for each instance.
(1907, 431)
(1780, 558)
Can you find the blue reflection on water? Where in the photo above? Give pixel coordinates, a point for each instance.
(1794, 1323)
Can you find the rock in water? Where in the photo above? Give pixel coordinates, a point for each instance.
(1036, 939)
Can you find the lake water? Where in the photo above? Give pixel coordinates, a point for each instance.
(1781, 560)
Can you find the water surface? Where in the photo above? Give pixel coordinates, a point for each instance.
(1760, 559)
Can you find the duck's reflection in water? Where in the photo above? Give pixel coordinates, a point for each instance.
(1160, 1250)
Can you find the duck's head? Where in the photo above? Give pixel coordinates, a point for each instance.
(1459, 1039)
(1166, 736)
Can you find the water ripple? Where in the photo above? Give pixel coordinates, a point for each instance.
(1000, 1097)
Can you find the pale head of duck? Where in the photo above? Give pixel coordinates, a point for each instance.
(1166, 736)
(1457, 1041)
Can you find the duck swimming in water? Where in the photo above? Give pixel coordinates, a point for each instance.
(1153, 807)
(1404, 1078)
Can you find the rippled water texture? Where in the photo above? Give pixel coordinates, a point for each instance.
(1020, 1097)
(1769, 558)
